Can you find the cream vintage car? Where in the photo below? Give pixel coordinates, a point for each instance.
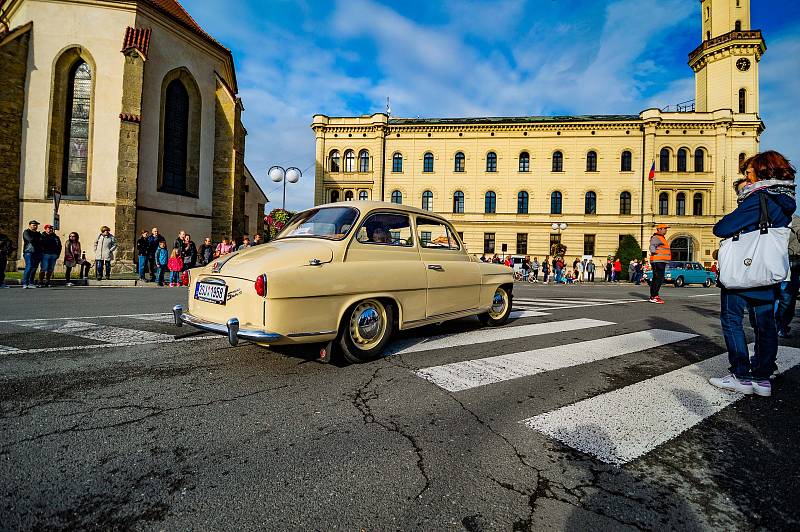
(347, 275)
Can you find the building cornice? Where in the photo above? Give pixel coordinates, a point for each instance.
(732, 43)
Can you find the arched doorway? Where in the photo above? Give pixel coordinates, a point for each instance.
(682, 248)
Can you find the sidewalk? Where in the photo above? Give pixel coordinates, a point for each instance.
(13, 279)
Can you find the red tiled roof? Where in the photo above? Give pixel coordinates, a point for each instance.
(138, 38)
(176, 11)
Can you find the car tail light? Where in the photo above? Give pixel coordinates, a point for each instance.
(261, 285)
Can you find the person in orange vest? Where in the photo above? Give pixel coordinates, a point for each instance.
(660, 255)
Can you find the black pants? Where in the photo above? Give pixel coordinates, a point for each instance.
(589, 277)
(3, 264)
(658, 278)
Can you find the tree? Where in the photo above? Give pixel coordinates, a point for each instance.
(275, 221)
(628, 250)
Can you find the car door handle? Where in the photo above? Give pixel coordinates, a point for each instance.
(436, 267)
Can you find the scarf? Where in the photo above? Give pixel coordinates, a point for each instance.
(770, 186)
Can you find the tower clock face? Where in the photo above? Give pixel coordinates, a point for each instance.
(743, 64)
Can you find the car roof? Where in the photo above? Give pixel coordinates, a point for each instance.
(369, 206)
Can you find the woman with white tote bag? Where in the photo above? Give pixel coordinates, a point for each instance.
(755, 254)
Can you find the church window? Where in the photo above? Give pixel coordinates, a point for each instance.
(555, 202)
(397, 162)
(663, 204)
(682, 153)
(591, 161)
(363, 161)
(699, 160)
(427, 162)
(490, 206)
(558, 161)
(590, 203)
(625, 203)
(697, 204)
(427, 200)
(491, 162)
(176, 132)
(397, 197)
(524, 162)
(627, 161)
(680, 204)
(742, 100)
(663, 160)
(522, 202)
(459, 162)
(334, 161)
(76, 147)
(458, 202)
(349, 161)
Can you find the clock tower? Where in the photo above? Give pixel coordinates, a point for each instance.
(726, 62)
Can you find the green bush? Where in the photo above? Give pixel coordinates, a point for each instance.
(628, 250)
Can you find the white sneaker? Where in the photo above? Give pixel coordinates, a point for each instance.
(69, 284)
(762, 388)
(730, 382)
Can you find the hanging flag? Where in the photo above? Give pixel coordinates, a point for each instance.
(652, 173)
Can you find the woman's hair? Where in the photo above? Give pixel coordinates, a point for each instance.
(76, 236)
(105, 228)
(769, 165)
(175, 252)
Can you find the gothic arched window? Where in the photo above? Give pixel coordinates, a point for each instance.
(363, 161)
(663, 160)
(490, 203)
(76, 145)
(176, 137)
(555, 202)
(591, 161)
(625, 203)
(458, 202)
(491, 162)
(522, 202)
(397, 197)
(590, 203)
(459, 162)
(627, 161)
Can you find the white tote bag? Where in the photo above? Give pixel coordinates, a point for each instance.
(757, 258)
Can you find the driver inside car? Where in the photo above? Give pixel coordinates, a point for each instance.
(381, 236)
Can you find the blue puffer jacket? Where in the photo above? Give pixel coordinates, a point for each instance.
(745, 219)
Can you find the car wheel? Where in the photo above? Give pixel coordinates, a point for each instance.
(365, 330)
(501, 308)
(679, 282)
(707, 283)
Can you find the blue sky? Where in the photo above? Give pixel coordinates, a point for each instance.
(471, 58)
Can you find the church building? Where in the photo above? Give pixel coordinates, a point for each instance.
(516, 185)
(129, 110)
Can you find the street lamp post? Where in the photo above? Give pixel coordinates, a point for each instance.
(291, 174)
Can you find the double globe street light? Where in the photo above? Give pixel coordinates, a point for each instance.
(291, 174)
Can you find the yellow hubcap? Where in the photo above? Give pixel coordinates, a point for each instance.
(499, 304)
(368, 324)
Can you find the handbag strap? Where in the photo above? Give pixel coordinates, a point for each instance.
(764, 223)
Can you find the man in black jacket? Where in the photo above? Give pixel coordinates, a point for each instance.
(6, 249)
(142, 247)
(152, 245)
(51, 250)
(32, 253)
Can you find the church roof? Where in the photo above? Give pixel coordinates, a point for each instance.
(176, 11)
(516, 119)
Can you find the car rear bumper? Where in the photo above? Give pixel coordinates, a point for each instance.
(230, 329)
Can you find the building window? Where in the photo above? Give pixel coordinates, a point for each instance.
(460, 235)
(663, 160)
(522, 243)
(458, 202)
(555, 238)
(334, 161)
(699, 160)
(76, 147)
(522, 202)
(490, 206)
(363, 161)
(625, 203)
(588, 244)
(680, 204)
(397, 162)
(737, 26)
(488, 242)
(427, 162)
(524, 162)
(427, 200)
(663, 204)
(459, 162)
(682, 160)
(591, 161)
(363, 196)
(558, 161)
(627, 161)
(176, 137)
(491, 162)
(348, 195)
(349, 161)
(697, 204)
(742, 158)
(555, 202)
(397, 197)
(590, 203)
(334, 196)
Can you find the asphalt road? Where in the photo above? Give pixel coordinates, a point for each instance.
(586, 412)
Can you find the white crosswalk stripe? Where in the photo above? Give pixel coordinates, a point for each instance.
(516, 314)
(7, 349)
(461, 376)
(93, 331)
(566, 303)
(485, 335)
(624, 424)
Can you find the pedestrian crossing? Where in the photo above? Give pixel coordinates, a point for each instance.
(550, 304)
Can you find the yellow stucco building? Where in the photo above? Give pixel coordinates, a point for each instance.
(503, 181)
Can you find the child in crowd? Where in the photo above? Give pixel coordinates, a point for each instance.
(162, 258)
(175, 265)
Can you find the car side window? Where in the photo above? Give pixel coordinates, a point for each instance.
(386, 228)
(435, 234)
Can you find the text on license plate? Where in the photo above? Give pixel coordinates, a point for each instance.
(213, 293)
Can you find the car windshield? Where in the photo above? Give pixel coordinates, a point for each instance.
(332, 223)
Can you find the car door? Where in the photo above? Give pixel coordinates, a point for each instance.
(698, 273)
(454, 279)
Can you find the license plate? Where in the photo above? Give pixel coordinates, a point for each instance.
(212, 293)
